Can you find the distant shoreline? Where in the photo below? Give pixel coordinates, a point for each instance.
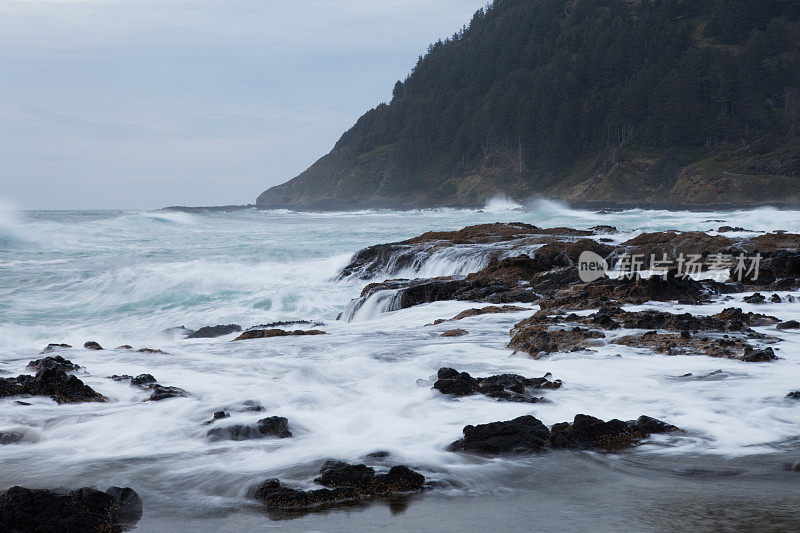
(587, 206)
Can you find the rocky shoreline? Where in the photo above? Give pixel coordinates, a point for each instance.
(515, 264)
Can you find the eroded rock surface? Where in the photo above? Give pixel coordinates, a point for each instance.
(527, 434)
(54, 382)
(512, 387)
(346, 484)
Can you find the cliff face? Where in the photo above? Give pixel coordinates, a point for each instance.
(614, 101)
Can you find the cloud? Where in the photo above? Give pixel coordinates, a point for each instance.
(211, 99)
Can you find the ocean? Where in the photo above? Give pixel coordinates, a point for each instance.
(132, 277)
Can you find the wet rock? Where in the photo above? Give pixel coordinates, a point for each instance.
(219, 415)
(55, 346)
(269, 333)
(730, 229)
(794, 395)
(60, 386)
(454, 333)
(273, 426)
(490, 309)
(525, 434)
(209, 332)
(275, 495)
(84, 510)
(752, 355)
(673, 243)
(92, 345)
(528, 434)
(671, 344)
(123, 377)
(539, 340)
(789, 324)
(124, 347)
(627, 290)
(130, 504)
(150, 350)
(511, 387)
(604, 230)
(775, 299)
(252, 405)
(236, 432)
(161, 392)
(348, 484)
(756, 298)
(10, 437)
(587, 432)
(57, 362)
(731, 319)
(143, 380)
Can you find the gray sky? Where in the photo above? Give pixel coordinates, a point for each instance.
(148, 103)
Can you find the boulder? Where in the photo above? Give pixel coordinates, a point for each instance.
(512, 387)
(57, 362)
(53, 382)
(347, 484)
(85, 510)
(54, 346)
(789, 324)
(269, 333)
(539, 340)
(528, 434)
(273, 426)
(209, 332)
(92, 345)
(454, 333)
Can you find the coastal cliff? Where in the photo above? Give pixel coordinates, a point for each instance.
(646, 102)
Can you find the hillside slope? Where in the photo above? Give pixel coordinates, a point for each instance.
(616, 101)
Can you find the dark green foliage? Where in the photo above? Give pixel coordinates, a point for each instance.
(570, 77)
(530, 87)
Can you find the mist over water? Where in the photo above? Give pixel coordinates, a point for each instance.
(124, 277)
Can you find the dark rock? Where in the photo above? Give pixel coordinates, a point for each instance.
(511, 387)
(160, 392)
(53, 382)
(629, 291)
(756, 298)
(130, 504)
(454, 333)
(789, 324)
(274, 426)
(92, 345)
(269, 333)
(123, 377)
(235, 432)
(55, 346)
(604, 230)
(527, 434)
(794, 395)
(671, 344)
(53, 362)
(209, 332)
(775, 299)
(277, 496)
(752, 355)
(251, 405)
(728, 229)
(539, 340)
(491, 309)
(150, 350)
(143, 380)
(10, 437)
(124, 347)
(45, 511)
(219, 415)
(347, 484)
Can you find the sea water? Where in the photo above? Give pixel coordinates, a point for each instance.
(131, 277)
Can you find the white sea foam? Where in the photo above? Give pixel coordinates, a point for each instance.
(121, 278)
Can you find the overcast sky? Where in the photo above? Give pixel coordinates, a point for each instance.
(149, 103)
